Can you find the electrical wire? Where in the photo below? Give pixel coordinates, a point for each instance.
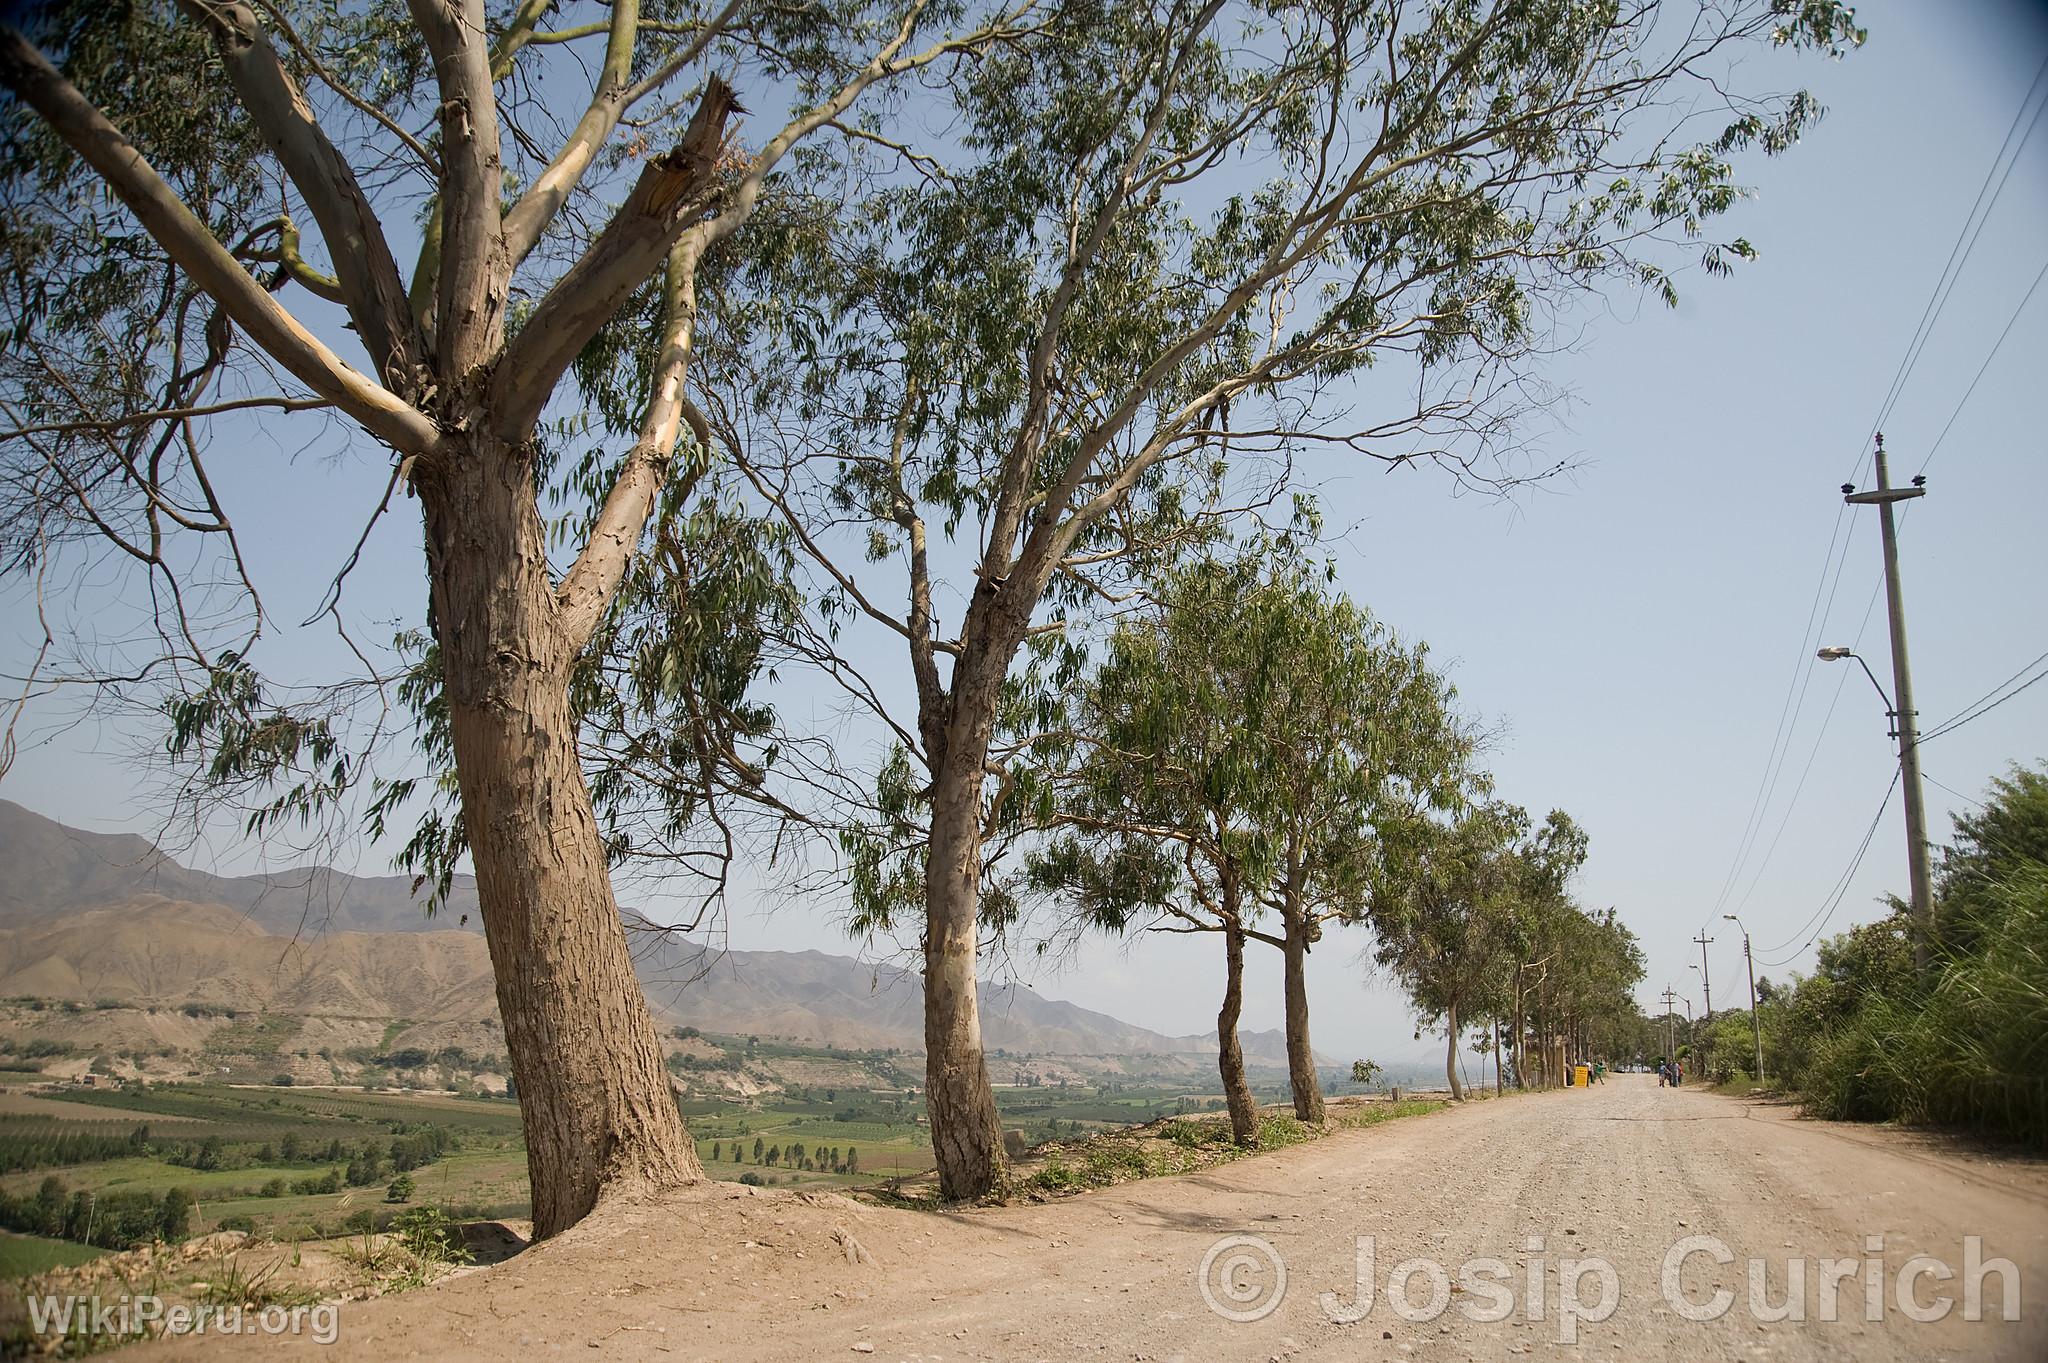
(1959, 721)
(2023, 670)
(1960, 251)
(2010, 322)
(1965, 244)
(1988, 195)
(1828, 907)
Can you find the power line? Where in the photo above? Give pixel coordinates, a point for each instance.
(1962, 717)
(1780, 735)
(1785, 820)
(2029, 667)
(2025, 299)
(1965, 244)
(1794, 703)
(1841, 883)
(1966, 717)
(1841, 890)
(1952, 790)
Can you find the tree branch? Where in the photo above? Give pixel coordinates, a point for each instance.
(168, 414)
(672, 190)
(363, 266)
(615, 92)
(593, 579)
(188, 242)
(473, 276)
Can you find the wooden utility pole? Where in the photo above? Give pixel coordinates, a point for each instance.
(1904, 719)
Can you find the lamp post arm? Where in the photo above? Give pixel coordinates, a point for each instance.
(1882, 695)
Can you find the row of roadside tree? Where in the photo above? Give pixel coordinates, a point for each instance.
(1001, 311)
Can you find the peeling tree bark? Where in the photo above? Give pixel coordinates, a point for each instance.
(600, 1116)
(1301, 1056)
(967, 1137)
(1451, 1053)
(1237, 1092)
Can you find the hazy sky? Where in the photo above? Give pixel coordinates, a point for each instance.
(1635, 632)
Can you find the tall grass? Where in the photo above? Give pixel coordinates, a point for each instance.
(1968, 1049)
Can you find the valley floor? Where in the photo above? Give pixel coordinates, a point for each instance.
(1622, 1176)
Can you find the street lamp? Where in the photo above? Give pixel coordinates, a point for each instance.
(1916, 813)
(1836, 653)
(1756, 1022)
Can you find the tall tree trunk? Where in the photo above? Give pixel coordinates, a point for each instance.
(967, 1136)
(1498, 1089)
(1521, 1041)
(594, 1095)
(1301, 1057)
(1237, 1091)
(1451, 1053)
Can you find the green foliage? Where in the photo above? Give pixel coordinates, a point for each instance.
(1966, 1047)
(1254, 740)
(400, 1190)
(1189, 1135)
(1276, 1131)
(428, 1233)
(1056, 1177)
(107, 1220)
(1372, 1114)
(1994, 841)
(1869, 1038)
(56, 1146)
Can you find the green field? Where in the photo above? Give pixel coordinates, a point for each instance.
(21, 1255)
(299, 1162)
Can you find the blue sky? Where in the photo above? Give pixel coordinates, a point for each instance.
(1632, 631)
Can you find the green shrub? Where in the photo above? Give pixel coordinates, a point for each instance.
(1055, 1177)
(1966, 1048)
(1192, 1135)
(428, 1232)
(1277, 1131)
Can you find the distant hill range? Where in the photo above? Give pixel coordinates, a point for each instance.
(102, 919)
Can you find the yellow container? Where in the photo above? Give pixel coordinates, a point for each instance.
(1582, 1075)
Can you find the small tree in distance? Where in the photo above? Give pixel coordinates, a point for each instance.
(1241, 753)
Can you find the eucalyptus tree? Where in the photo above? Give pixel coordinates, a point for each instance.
(201, 212)
(1540, 930)
(1192, 798)
(1288, 743)
(1450, 939)
(1147, 270)
(1358, 747)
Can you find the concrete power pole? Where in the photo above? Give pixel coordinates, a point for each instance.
(1670, 1025)
(1706, 981)
(1905, 726)
(1756, 1021)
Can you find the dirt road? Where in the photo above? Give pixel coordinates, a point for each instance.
(1617, 1176)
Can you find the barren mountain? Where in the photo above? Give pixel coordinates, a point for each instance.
(97, 918)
